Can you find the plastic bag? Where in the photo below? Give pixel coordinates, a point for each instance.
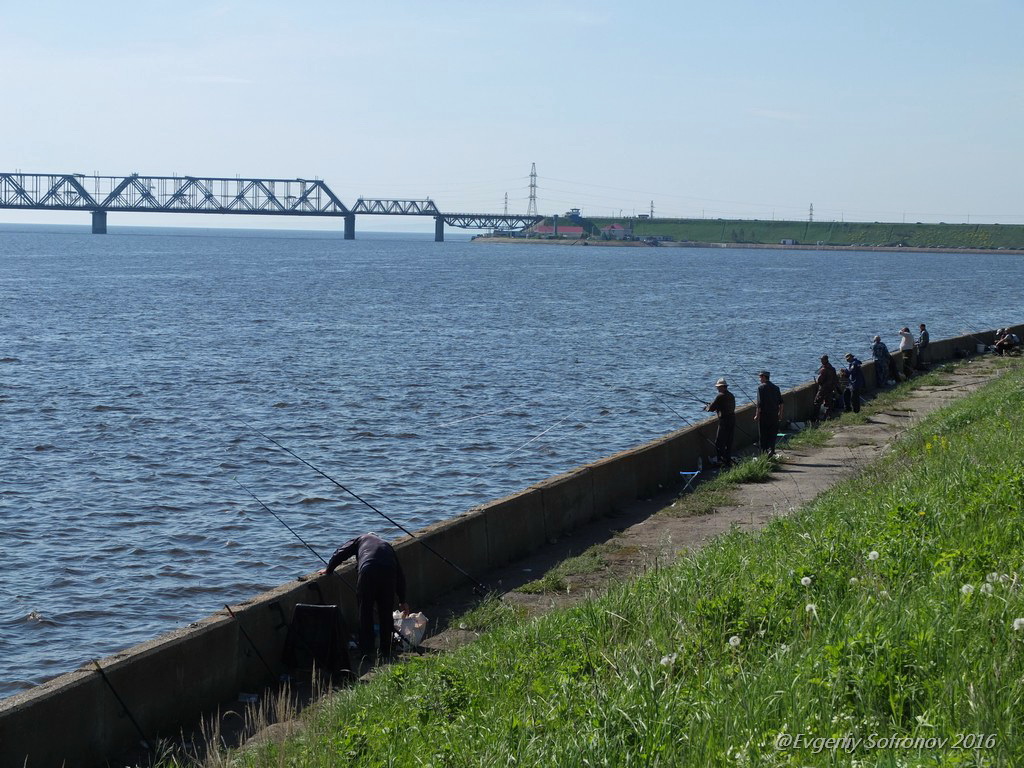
(412, 628)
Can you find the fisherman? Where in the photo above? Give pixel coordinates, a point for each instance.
(724, 405)
(379, 579)
(827, 381)
(855, 382)
(922, 345)
(907, 351)
(883, 361)
(768, 413)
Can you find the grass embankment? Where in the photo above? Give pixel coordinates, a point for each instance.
(1010, 236)
(886, 608)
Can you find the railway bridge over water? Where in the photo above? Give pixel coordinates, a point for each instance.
(135, 193)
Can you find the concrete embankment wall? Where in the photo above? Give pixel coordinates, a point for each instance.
(77, 720)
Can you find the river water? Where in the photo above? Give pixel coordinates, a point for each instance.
(426, 377)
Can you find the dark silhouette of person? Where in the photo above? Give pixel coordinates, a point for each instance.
(379, 579)
(768, 413)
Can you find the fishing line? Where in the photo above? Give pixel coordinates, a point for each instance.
(531, 440)
(477, 416)
(357, 497)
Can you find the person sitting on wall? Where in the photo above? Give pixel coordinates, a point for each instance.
(724, 405)
(1006, 340)
(379, 577)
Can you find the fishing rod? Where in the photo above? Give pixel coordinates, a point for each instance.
(282, 522)
(145, 740)
(477, 585)
(251, 642)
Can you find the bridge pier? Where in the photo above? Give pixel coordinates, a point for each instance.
(438, 229)
(99, 222)
(350, 226)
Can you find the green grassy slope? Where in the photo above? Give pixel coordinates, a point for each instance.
(828, 233)
(891, 607)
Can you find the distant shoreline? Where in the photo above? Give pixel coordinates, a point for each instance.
(766, 246)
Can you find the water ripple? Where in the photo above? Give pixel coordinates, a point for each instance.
(426, 380)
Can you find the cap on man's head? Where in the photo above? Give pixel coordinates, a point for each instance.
(824, 358)
(766, 374)
(721, 383)
(849, 355)
(904, 329)
(877, 338)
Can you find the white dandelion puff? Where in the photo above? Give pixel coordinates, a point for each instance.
(873, 555)
(668, 661)
(987, 589)
(854, 580)
(812, 609)
(734, 641)
(967, 589)
(992, 578)
(806, 581)
(1018, 625)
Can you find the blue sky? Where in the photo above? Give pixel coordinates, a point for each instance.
(873, 111)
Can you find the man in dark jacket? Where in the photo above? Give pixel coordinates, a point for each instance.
(379, 579)
(768, 413)
(827, 381)
(883, 361)
(856, 381)
(922, 345)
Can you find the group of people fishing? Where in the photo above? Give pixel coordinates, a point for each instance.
(379, 574)
(767, 413)
(835, 390)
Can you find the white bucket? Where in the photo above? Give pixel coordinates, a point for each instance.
(981, 348)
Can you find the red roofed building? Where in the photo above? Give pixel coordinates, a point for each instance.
(615, 232)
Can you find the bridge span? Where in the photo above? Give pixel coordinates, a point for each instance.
(135, 193)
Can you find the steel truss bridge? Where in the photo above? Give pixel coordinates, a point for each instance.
(99, 195)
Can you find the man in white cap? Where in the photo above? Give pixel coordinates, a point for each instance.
(724, 405)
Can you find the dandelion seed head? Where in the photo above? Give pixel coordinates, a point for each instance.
(967, 589)
(987, 589)
(992, 578)
(854, 580)
(873, 555)
(734, 641)
(812, 609)
(806, 581)
(1018, 625)
(668, 661)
